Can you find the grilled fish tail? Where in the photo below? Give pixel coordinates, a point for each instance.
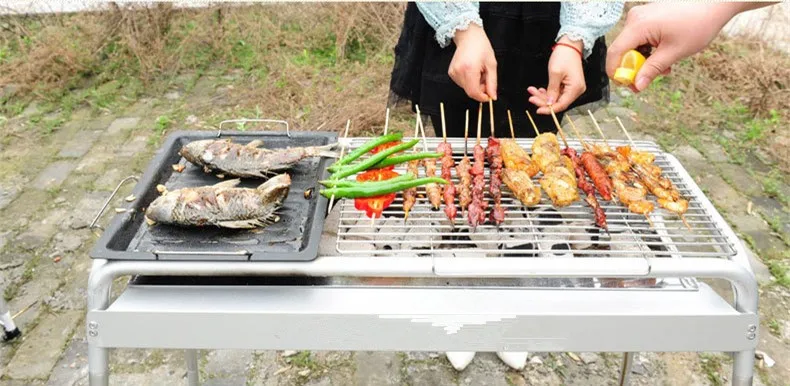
(323, 151)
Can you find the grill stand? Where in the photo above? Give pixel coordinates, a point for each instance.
(341, 318)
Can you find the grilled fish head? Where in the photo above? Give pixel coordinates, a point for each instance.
(161, 209)
(194, 151)
(275, 189)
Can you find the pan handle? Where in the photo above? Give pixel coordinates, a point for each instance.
(93, 223)
(245, 120)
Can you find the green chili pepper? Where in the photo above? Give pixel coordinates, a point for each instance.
(348, 183)
(399, 159)
(368, 163)
(366, 147)
(376, 189)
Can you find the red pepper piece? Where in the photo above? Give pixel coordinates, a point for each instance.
(374, 206)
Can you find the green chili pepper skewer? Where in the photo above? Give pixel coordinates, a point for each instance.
(347, 183)
(377, 190)
(368, 163)
(366, 147)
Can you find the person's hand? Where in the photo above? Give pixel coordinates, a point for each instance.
(566, 79)
(676, 31)
(473, 67)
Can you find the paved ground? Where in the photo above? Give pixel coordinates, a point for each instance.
(51, 186)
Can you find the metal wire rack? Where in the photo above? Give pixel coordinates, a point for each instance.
(542, 231)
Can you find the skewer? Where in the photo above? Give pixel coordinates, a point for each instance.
(595, 123)
(342, 151)
(466, 134)
(422, 129)
(534, 126)
(444, 127)
(491, 115)
(578, 134)
(559, 127)
(479, 121)
(510, 121)
(387, 121)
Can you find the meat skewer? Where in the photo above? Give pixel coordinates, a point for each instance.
(514, 176)
(432, 190)
(559, 179)
(463, 170)
(494, 156)
(413, 167)
(447, 165)
(581, 180)
(514, 156)
(626, 183)
(476, 214)
(667, 195)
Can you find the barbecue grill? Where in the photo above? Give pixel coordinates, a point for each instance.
(545, 280)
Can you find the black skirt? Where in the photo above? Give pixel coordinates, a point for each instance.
(521, 35)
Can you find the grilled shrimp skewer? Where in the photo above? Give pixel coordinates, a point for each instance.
(494, 156)
(626, 183)
(463, 168)
(642, 164)
(514, 175)
(559, 179)
(433, 191)
(448, 164)
(581, 180)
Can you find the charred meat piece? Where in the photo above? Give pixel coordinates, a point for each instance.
(493, 154)
(477, 209)
(448, 164)
(223, 205)
(586, 187)
(464, 182)
(522, 187)
(224, 156)
(516, 158)
(410, 195)
(433, 191)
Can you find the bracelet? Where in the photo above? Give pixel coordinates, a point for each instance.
(569, 46)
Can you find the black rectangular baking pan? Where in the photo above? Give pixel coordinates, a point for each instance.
(295, 237)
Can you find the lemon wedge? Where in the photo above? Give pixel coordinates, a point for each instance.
(629, 66)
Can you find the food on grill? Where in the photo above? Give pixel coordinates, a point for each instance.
(463, 170)
(224, 156)
(374, 206)
(223, 205)
(522, 187)
(558, 180)
(179, 168)
(432, 189)
(516, 158)
(410, 194)
(372, 161)
(597, 174)
(403, 158)
(497, 214)
(584, 185)
(476, 214)
(370, 189)
(366, 147)
(448, 164)
(667, 195)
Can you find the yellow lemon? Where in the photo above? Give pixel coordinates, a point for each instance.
(629, 66)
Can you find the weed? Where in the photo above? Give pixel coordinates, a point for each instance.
(712, 367)
(780, 272)
(304, 359)
(162, 123)
(775, 328)
(772, 186)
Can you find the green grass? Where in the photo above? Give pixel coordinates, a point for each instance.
(780, 272)
(712, 368)
(772, 184)
(775, 328)
(304, 359)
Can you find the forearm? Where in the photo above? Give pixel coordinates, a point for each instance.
(447, 18)
(584, 22)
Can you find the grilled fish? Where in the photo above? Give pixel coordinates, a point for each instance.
(224, 156)
(223, 205)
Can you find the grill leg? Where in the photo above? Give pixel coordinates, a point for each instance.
(193, 376)
(625, 370)
(98, 299)
(743, 368)
(98, 366)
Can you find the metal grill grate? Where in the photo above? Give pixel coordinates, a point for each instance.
(542, 231)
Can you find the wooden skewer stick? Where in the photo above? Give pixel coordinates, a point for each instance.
(491, 116)
(444, 126)
(619, 122)
(479, 121)
(510, 121)
(559, 127)
(466, 134)
(595, 123)
(387, 121)
(534, 126)
(342, 151)
(422, 129)
(585, 145)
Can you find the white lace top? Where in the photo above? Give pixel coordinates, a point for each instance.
(579, 20)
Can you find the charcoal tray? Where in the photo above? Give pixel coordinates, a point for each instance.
(294, 238)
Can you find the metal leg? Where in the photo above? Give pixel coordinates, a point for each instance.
(625, 370)
(743, 368)
(193, 376)
(98, 299)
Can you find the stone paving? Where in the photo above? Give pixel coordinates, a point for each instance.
(52, 186)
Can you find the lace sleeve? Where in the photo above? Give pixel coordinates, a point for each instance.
(448, 17)
(588, 20)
